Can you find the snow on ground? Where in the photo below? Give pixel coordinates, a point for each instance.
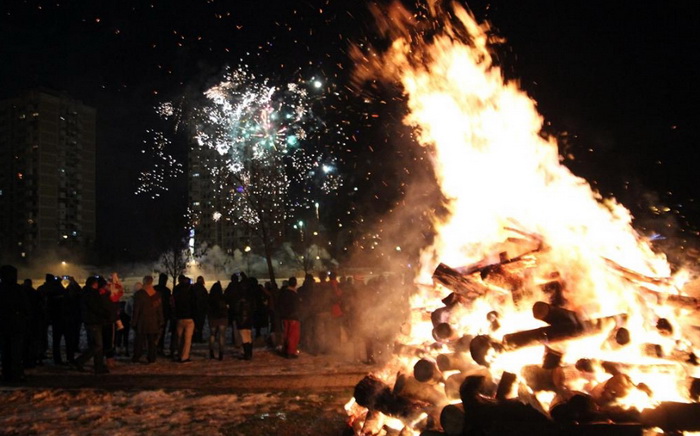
(269, 395)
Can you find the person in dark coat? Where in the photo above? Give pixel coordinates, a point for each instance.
(15, 311)
(244, 317)
(96, 314)
(184, 306)
(289, 305)
(232, 294)
(218, 319)
(170, 325)
(56, 302)
(147, 320)
(43, 316)
(32, 343)
(200, 309)
(307, 315)
(274, 339)
(73, 319)
(122, 336)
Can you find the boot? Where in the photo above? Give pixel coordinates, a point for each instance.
(247, 351)
(221, 355)
(211, 354)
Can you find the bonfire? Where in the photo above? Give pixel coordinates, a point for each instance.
(540, 309)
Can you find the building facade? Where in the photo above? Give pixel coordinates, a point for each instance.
(47, 176)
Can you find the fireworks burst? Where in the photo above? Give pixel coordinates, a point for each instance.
(256, 145)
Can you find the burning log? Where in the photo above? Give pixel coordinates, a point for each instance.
(616, 387)
(541, 379)
(498, 276)
(694, 389)
(585, 365)
(664, 326)
(552, 358)
(555, 290)
(480, 347)
(483, 415)
(374, 421)
(444, 332)
(505, 386)
(453, 362)
(603, 429)
(677, 300)
(553, 315)
(452, 419)
(572, 407)
(492, 318)
(635, 276)
(672, 416)
(452, 385)
(458, 283)
(407, 386)
(622, 336)
(427, 371)
(462, 344)
(558, 332)
(374, 394)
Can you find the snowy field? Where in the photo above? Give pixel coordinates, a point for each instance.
(269, 395)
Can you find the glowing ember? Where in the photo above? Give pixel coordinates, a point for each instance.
(551, 283)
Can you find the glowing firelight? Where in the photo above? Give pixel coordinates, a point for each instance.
(507, 190)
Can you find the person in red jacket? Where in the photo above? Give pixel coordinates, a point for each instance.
(289, 312)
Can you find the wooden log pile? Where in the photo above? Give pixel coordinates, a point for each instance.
(453, 393)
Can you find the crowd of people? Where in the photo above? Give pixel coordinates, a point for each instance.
(316, 316)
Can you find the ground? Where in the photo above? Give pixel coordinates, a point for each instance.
(269, 395)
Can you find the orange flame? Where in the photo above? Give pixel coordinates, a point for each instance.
(504, 181)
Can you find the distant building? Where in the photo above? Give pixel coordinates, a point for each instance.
(208, 195)
(47, 175)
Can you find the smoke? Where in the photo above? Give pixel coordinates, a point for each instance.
(52, 263)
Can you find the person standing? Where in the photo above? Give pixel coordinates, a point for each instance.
(32, 344)
(232, 294)
(336, 327)
(244, 318)
(147, 320)
(289, 312)
(56, 302)
(114, 290)
(166, 297)
(307, 314)
(15, 311)
(43, 315)
(74, 320)
(200, 308)
(183, 298)
(96, 314)
(218, 319)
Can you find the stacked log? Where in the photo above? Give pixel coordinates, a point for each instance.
(451, 382)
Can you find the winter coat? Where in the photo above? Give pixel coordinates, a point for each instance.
(289, 304)
(200, 301)
(15, 309)
(218, 309)
(148, 312)
(244, 313)
(184, 300)
(166, 296)
(96, 307)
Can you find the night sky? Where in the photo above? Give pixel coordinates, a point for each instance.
(616, 81)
